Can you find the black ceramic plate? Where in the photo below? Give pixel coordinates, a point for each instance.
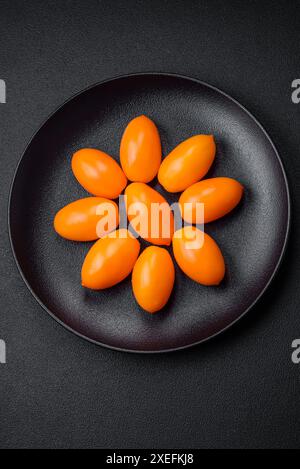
(252, 238)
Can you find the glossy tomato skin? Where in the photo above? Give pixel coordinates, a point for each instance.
(98, 173)
(153, 279)
(159, 230)
(204, 264)
(187, 163)
(78, 221)
(219, 196)
(140, 150)
(110, 260)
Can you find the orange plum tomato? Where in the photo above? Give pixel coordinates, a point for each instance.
(198, 256)
(98, 173)
(87, 219)
(149, 213)
(140, 150)
(218, 195)
(153, 279)
(187, 163)
(110, 260)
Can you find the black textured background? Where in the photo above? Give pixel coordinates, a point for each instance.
(239, 390)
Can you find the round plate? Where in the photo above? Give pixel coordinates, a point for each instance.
(252, 238)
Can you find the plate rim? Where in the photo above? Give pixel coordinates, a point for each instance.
(275, 270)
